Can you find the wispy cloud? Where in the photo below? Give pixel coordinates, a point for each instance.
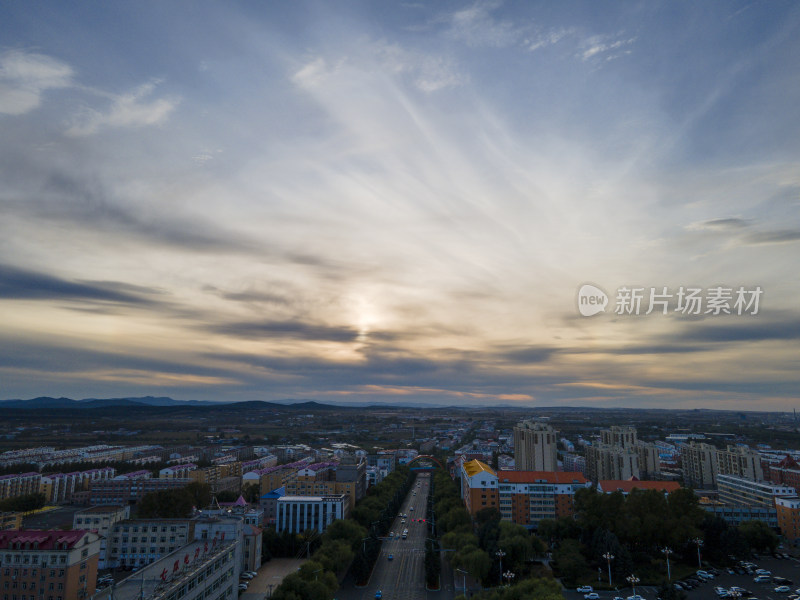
(476, 26)
(136, 108)
(26, 76)
(603, 47)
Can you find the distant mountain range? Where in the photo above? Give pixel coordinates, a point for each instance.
(46, 402)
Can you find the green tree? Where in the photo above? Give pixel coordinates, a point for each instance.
(758, 536)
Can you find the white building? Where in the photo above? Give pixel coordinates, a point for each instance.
(300, 513)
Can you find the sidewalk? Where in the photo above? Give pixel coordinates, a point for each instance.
(270, 576)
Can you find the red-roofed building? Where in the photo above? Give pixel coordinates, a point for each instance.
(54, 565)
(522, 497)
(785, 472)
(609, 486)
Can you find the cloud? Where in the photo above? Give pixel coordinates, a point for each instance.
(427, 72)
(780, 236)
(297, 330)
(475, 26)
(127, 110)
(25, 76)
(17, 283)
(602, 47)
(726, 224)
(548, 38)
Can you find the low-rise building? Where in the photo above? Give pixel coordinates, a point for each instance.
(300, 513)
(740, 491)
(140, 542)
(202, 569)
(130, 491)
(61, 565)
(522, 497)
(609, 486)
(788, 515)
(10, 520)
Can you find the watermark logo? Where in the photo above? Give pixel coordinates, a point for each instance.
(591, 300)
(686, 300)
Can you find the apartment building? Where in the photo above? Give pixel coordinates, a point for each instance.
(611, 462)
(627, 486)
(522, 497)
(177, 471)
(61, 487)
(199, 570)
(535, 446)
(699, 463)
(788, 516)
(740, 461)
(51, 565)
(140, 542)
(101, 520)
(20, 484)
(129, 491)
(745, 492)
(10, 520)
(620, 437)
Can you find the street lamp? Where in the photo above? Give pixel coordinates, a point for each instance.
(464, 583)
(609, 557)
(667, 551)
(508, 576)
(500, 554)
(699, 543)
(633, 580)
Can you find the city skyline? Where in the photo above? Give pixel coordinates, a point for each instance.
(399, 202)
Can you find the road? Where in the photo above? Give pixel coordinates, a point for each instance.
(403, 577)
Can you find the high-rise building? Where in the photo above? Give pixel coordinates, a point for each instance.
(611, 462)
(741, 461)
(649, 460)
(620, 437)
(535, 446)
(699, 463)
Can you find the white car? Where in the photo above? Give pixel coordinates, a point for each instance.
(636, 597)
(591, 596)
(782, 589)
(585, 589)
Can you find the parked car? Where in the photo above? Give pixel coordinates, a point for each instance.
(783, 589)
(378, 595)
(762, 579)
(585, 589)
(635, 597)
(591, 596)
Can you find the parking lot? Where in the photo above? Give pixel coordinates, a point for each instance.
(787, 568)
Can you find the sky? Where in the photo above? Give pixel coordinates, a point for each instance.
(401, 201)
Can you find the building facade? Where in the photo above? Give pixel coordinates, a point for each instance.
(788, 516)
(535, 446)
(745, 492)
(101, 520)
(301, 513)
(140, 542)
(522, 497)
(199, 570)
(699, 464)
(49, 565)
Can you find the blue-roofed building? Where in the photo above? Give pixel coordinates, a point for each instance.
(269, 504)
